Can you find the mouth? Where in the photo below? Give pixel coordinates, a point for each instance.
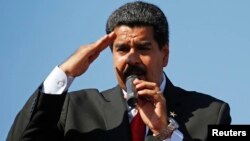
(139, 71)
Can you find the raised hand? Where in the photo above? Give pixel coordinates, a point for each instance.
(79, 62)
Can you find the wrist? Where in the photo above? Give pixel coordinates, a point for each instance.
(166, 132)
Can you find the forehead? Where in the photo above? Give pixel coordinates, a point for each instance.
(137, 33)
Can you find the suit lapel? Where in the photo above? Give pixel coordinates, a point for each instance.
(115, 113)
(175, 99)
(172, 97)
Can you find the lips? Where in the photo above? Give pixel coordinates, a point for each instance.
(134, 70)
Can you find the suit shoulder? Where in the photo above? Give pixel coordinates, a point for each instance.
(91, 93)
(198, 97)
(84, 93)
(203, 105)
(111, 90)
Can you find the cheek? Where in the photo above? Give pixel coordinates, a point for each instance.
(119, 62)
(153, 65)
(147, 61)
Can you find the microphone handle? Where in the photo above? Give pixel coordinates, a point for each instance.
(131, 91)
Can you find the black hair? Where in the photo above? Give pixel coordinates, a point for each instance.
(140, 13)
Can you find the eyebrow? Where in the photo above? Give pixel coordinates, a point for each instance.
(142, 43)
(118, 45)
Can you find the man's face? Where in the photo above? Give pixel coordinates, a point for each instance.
(135, 51)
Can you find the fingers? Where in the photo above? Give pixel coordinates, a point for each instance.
(95, 48)
(79, 62)
(149, 92)
(144, 87)
(104, 42)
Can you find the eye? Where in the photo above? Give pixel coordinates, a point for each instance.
(122, 48)
(144, 48)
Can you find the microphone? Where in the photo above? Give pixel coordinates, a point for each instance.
(131, 91)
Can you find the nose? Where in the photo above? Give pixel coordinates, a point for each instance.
(133, 57)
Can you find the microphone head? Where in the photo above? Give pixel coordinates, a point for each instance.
(131, 91)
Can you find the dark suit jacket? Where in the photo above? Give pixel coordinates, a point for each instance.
(90, 115)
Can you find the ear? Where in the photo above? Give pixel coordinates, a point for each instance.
(165, 55)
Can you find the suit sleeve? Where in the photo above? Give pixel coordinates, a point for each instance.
(38, 119)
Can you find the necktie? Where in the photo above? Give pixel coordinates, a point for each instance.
(138, 128)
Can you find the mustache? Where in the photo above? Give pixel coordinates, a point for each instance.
(134, 70)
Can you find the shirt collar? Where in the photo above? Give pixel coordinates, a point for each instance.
(163, 83)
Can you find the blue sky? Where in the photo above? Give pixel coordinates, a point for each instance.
(209, 48)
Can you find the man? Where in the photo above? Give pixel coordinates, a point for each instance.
(137, 34)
